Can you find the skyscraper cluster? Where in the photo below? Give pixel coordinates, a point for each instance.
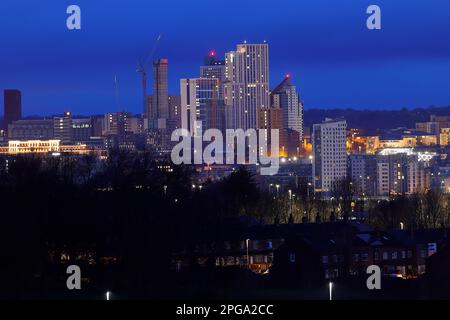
(234, 93)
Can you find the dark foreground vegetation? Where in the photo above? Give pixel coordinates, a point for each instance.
(121, 219)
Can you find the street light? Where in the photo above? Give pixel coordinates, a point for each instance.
(330, 285)
(108, 295)
(248, 258)
(278, 188)
(290, 202)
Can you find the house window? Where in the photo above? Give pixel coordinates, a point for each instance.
(356, 257)
(423, 253)
(409, 254)
(385, 255)
(324, 259)
(403, 254)
(292, 257)
(394, 255)
(364, 257)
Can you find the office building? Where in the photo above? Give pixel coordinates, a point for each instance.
(117, 123)
(82, 130)
(62, 127)
(31, 129)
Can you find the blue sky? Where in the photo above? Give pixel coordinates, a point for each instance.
(334, 59)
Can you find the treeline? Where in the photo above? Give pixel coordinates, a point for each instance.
(122, 218)
(130, 210)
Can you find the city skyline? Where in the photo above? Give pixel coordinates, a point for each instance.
(336, 61)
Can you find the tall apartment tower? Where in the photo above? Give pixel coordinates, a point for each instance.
(213, 68)
(247, 91)
(160, 100)
(286, 98)
(199, 102)
(329, 154)
(12, 101)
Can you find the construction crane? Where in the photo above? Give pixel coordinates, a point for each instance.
(142, 69)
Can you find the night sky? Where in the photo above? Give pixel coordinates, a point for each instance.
(324, 44)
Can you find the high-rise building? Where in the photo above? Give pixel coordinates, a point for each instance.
(199, 102)
(62, 127)
(213, 68)
(247, 89)
(160, 100)
(329, 154)
(148, 112)
(117, 123)
(12, 101)
(174, 121)
(272, 118)
(285, 97)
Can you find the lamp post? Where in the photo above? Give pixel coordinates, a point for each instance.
(307, 189)
(278, 188)
(290, 202)
(248, 258)
(330, 286)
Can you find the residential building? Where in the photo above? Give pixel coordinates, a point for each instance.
(329, 154)
(247, 88)
(286, 98)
